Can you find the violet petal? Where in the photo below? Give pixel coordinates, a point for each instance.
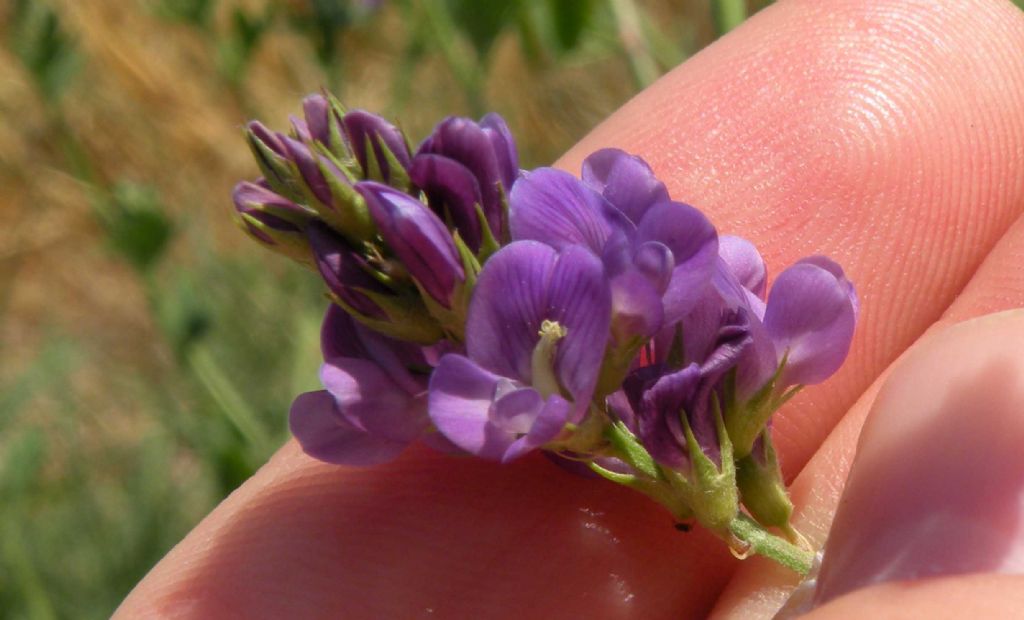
(508, 306)
(326, 436)
(370, 400)
(418, 237)
(342, 270)
(625, 180)
(694, 244)
(556, 208)
(580, 301)
(459, 404)
(547, 424)
(810, 316)
(745, 262)
(364, 128)
(504, 146)
(450, 187)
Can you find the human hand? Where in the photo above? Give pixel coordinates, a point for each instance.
(889, 135)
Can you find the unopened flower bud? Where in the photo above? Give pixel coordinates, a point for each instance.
(418, 238)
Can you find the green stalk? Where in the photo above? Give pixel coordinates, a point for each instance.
(762, 542)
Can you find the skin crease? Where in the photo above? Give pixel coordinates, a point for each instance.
(888, 135)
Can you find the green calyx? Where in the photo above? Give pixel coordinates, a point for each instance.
(760, 482)
(406, 318)
(292, 244)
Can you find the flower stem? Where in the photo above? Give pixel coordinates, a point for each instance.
(762, 542)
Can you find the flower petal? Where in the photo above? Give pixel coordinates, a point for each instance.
(659, 415)
(556, 208)
(833, 267)
(450, 187)
(516, 410)
(465, 141)
(459, 404)
(342, 269)
(810, 316)
(745, 262)
(580, 301)
(326, 436)
(508, 306)
(418, 237)
(694, 244)
(655, 260)
(371, 401)
(625, 180)
(547, 424)
(504, 145)
(636, 307)
(364, 129)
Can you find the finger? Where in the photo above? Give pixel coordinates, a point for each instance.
(974, 596)
(378, 542)
(937, 487)
(428, 535)
(758, 589)
(885, 134)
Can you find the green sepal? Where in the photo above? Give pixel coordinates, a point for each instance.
(336, 135)
(398, 175)
(745, 421)
(763, 489)
(505, 237)
(279, 172)
(407, 319)
(291, 244)
(488, 244)
(627, 447)
(348, 215)
(616, 364)
(657, 490)
(715, 499)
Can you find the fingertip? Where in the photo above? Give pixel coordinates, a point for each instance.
(937, 486)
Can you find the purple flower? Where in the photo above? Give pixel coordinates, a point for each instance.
(463, 165)
(658, 253)
(272, 219)
(535, 339)
(354, 132)
(377, 145)
(810, 317)
(418, 238)
(345, 271)
(374, 402)
(668, 402)
(320, 122)
(300, 169)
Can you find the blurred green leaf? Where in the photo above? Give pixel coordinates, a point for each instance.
(43, 47)
(195, 12)
(727, 14)
(137, 225)
(569, 19)
(482, 22)
(235, 51)
(25, 455)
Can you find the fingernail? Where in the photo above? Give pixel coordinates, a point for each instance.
(937, 486)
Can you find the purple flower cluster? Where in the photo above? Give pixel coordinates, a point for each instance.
(492, 311)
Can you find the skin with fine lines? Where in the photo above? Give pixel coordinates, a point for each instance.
(888, 135)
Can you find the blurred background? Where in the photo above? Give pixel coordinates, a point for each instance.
(148, 351)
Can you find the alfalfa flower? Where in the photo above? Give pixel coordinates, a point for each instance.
(535, 339)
